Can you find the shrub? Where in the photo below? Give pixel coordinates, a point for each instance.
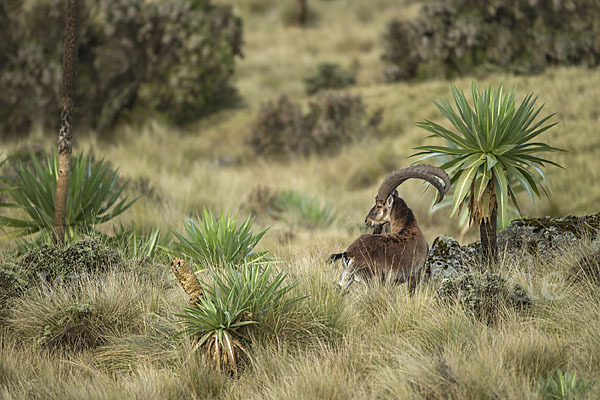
(337, 119)
(173, 58)
(13, 282)
(567, 385)
(328, 76)
(303, 210)
(219, 241)
(282, 130)
(85, 256)
(50, 264)
(292, 14)
(94, 195)
(458, 37)
(278, 129)
(236, 298)
(482, 295)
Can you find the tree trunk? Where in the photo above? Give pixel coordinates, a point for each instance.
(302, 12)
(487, 233)
(65, 137)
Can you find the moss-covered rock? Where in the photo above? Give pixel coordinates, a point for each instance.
(447, 257)
(540, 236)
(482, 294)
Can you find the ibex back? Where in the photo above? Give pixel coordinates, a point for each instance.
(400, 254)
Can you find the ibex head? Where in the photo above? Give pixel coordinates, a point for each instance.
(379, 215)
(387, 195)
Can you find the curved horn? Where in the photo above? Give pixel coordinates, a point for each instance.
(422, 171)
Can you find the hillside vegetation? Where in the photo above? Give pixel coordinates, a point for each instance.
(374, 342)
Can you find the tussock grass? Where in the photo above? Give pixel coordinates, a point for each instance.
(375, 341)
(84, 313)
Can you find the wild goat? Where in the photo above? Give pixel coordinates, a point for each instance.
(401, 253)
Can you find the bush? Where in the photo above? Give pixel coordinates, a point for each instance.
(13, 282)
(94, 195)
(85, 256)
(282, 130)
(328, 76)
(50, 264)
(482, 295)
(174, 58)
(219, 241)
(279, 128)
(458, 37)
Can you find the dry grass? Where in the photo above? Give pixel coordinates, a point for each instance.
(374, 342)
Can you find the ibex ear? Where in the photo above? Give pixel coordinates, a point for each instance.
(390, 201)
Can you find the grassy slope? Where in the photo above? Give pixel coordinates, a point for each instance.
(184, 166)
(376, 342)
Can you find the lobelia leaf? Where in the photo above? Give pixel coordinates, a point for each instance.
(462, 187)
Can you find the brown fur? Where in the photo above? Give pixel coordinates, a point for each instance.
(399, 255)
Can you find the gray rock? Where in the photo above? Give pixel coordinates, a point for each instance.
(447, 257)
(541, 236)
(532, 237)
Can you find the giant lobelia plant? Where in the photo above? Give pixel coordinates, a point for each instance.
(491, 154)
(94, 195)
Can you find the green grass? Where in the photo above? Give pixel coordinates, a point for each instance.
(565, 386)
(299, 209)
(375, 342)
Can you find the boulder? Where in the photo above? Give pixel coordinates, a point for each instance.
(536, 237)
(541, 236)
(447, 257)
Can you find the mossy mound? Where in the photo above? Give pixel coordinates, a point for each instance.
(49, 263)
(572, 224)
(447, 257)
(88, 255)
(539, 236)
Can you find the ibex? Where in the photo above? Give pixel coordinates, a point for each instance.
(401, 253)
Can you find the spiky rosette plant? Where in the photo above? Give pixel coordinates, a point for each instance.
(236, 299)
(491, 154)
(95, 195)
(220, 241)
